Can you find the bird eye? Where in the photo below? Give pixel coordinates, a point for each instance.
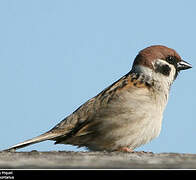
(171, 60)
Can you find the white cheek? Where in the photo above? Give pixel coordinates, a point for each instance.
(173, 72)
(167, 80)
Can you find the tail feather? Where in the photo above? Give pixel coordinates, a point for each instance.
(43, 137)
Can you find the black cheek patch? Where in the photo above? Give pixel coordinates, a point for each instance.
(164, 69)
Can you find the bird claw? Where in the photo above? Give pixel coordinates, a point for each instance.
(126, 149)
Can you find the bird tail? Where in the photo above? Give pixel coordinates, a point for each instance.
(42, 137)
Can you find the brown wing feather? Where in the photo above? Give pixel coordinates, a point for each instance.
(79, 123)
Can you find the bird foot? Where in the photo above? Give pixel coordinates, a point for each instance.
(126, 149)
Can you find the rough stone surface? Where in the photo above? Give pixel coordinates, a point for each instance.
(95, 160)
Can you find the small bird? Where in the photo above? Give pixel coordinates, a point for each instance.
(128, 113)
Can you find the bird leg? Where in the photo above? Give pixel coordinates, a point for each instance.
(126, 149)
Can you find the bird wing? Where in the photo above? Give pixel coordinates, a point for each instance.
(80, 121)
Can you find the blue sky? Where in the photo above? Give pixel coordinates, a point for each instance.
(55, 55)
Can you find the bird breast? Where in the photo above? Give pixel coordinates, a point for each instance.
(132, 120)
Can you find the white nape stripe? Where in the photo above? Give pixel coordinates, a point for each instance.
(162, 80)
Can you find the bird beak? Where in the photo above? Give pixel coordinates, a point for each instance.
(182, 65)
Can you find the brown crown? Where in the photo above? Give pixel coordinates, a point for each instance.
(149, 54)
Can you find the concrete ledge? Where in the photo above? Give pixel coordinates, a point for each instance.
(95, 160)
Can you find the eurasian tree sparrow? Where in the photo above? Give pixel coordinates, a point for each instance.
(128, 113)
